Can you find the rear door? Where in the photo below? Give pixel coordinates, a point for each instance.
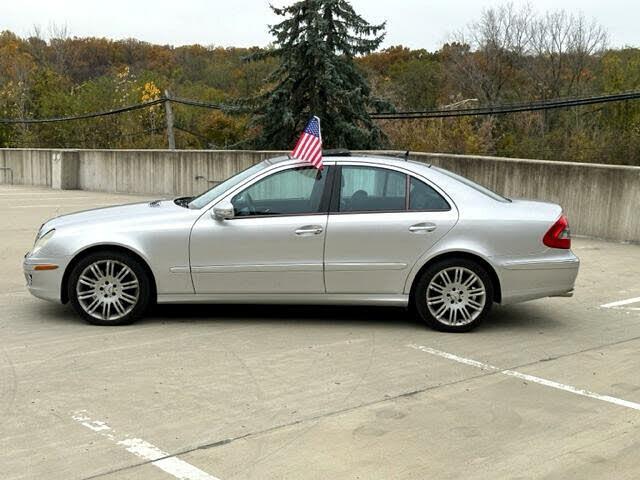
(382, 220)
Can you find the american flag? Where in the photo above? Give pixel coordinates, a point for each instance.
(309, 146)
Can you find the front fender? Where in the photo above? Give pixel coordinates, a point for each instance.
(162, 251)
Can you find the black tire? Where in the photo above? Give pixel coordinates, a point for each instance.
(419, 300)
(143, 289)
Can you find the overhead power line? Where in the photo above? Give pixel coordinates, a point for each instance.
(203, 104)
(82, 116)
(508, 108)
(407, 115)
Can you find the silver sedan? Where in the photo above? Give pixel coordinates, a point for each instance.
(364, 230)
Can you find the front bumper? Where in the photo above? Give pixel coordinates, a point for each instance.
(44, 284)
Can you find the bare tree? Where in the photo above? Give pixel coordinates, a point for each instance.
(508, 48)
(490, 52)
(562, 48)
(58, 40)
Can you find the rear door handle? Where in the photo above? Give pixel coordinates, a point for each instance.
(309, 230)
(422, 227)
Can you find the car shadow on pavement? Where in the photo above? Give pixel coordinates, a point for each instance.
(285, 314)
(517, 317)
(523, 317)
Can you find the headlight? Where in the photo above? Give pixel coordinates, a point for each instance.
(42, 240)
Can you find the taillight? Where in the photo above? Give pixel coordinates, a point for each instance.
(559, 235)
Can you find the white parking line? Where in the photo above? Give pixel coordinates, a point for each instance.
(143, 449)
(530, 378)
(621, 303)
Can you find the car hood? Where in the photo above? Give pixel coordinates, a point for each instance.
(130, 213)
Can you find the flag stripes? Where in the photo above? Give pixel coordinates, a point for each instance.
(309, 145)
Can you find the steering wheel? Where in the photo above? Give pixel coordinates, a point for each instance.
(243, 205)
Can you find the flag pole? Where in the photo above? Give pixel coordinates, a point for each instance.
(319, 127)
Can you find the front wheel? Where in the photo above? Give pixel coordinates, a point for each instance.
(109, 288)
(453, 295)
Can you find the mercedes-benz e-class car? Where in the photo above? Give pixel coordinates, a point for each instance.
(364, 230)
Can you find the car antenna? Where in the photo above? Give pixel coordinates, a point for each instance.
(406, 156)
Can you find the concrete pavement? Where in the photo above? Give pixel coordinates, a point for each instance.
(304, 392)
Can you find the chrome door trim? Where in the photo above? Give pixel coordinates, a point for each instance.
(269, 267)
(180, 269)
(360, 266)
(541, 264)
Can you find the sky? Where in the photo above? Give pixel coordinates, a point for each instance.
(413, 23)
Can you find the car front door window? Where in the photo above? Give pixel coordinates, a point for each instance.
(296, 191)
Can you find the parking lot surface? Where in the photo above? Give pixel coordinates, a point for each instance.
(545, 389)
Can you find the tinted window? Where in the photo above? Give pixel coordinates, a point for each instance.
(370, 189)
(288, 192)
(219, 189)
(423, 197)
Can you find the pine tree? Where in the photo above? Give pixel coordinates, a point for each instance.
(316, 45)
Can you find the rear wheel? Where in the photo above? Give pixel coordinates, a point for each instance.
(453, 295)
(109, 288)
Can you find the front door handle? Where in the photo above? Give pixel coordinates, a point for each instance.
(422, 227)
(309, 230)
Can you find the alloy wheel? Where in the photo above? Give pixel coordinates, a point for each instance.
(456, 296)
(108, 290)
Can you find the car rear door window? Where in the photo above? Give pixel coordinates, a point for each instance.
(372, 189)
(423, 197)
(296, 191)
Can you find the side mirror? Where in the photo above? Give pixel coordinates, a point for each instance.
(223, 211)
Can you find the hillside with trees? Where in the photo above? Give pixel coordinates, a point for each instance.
(509, 55)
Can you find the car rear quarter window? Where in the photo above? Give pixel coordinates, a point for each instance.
(423, 197)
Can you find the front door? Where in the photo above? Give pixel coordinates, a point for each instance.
(382, 221)
(275, 242)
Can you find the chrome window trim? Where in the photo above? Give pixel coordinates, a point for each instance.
(293, 163)
(278, 215)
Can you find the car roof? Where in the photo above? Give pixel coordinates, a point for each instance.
(383, 160)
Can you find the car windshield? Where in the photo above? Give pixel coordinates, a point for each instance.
(205, 198)
(474, 185)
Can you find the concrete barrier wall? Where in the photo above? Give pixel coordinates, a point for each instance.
(601, 200)
(25, 166)
(180, 172)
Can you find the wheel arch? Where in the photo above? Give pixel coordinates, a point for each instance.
(105, 248)
(495, 280)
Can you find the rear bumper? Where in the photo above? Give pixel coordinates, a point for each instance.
(44, 284)
(552, 275)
